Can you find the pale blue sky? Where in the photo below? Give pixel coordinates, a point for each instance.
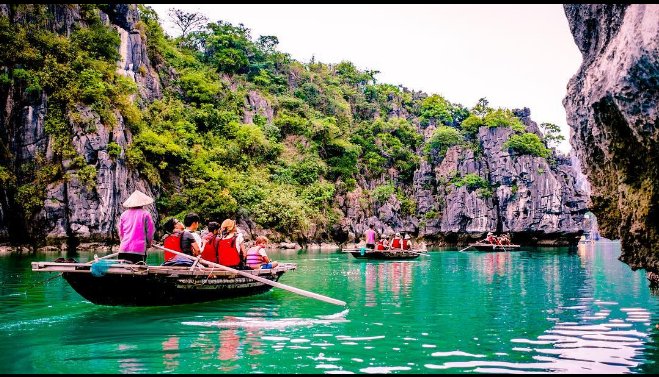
(514, 55)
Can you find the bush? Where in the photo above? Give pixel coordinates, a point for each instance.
(504, 118)
(308, 171)
(527, 143)
(437, 108)
(319, 194)
(472, 124)
(442, 139)
(114, 150)
(472, 181)
(100, 41)
(383, 193)
(282, 210)
(87, 176)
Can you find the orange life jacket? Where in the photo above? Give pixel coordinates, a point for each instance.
(173, 242)
(228, 253)
(211, 248)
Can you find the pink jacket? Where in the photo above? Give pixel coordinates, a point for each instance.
(136, 230)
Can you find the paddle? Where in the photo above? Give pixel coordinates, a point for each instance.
(468, 246)
(258, 278)
(96, 258)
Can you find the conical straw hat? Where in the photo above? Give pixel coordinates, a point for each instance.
(137, 199)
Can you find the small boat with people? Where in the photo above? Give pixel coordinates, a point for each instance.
(186, 276)
(391, 254)
(489, 247)
(118, 282)
(399, 248)
(493, 243)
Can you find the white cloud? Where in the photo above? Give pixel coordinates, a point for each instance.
(514, 55)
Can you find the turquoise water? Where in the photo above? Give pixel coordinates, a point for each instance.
(540, 310)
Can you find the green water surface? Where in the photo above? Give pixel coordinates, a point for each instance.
(564, 310)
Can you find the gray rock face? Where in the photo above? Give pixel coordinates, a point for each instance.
(74, 211)
(612, 105)
(90, 213)
(537, 203)
(534, 201)
(255, 104)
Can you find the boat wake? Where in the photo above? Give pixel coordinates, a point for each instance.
(263, 323)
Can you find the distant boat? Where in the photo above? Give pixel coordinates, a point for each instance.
(481, 246)
(391, 254)
(130, 284)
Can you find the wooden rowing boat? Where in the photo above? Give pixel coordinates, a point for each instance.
(143, 285)
(390, 254)
(481, 246)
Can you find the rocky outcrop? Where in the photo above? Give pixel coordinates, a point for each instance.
(75, 209)
(523, 195)
(536, 201)
(612, 106)
(255, 104)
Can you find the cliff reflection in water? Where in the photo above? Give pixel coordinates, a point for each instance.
(588, 334)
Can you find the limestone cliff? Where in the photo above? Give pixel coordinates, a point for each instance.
(73, 211)
(612, 105)
(538, 200)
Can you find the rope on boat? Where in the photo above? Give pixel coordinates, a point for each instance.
(100, 267)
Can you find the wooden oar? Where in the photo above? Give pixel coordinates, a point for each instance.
(105, 257)
(468, 246)
(258, 278)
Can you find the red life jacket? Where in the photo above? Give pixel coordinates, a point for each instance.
(395, 244)
(172, 242)
(211, 248)
(228, 254)
(406, 245)
(379, 246)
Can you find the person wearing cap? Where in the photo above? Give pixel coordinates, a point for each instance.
(407, 244)
(232, 246)
(135, 228)
(491, 238)
(396, 242)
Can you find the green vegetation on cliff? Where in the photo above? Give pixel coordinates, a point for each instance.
(242, 129)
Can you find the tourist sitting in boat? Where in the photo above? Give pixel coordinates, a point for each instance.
(135, 228)
(407, 243)
(211, 242)
(190, 242)
(396, 242)
(369, 235)
(172, 240)
(232, 248)
(504, 240)
(492, 239)
(257, 257)
(383, 243)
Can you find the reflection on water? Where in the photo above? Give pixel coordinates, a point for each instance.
(534, 310)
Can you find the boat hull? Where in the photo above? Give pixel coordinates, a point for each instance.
(132, 290)
(384, 254)
(133, 285)
(488, 247)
